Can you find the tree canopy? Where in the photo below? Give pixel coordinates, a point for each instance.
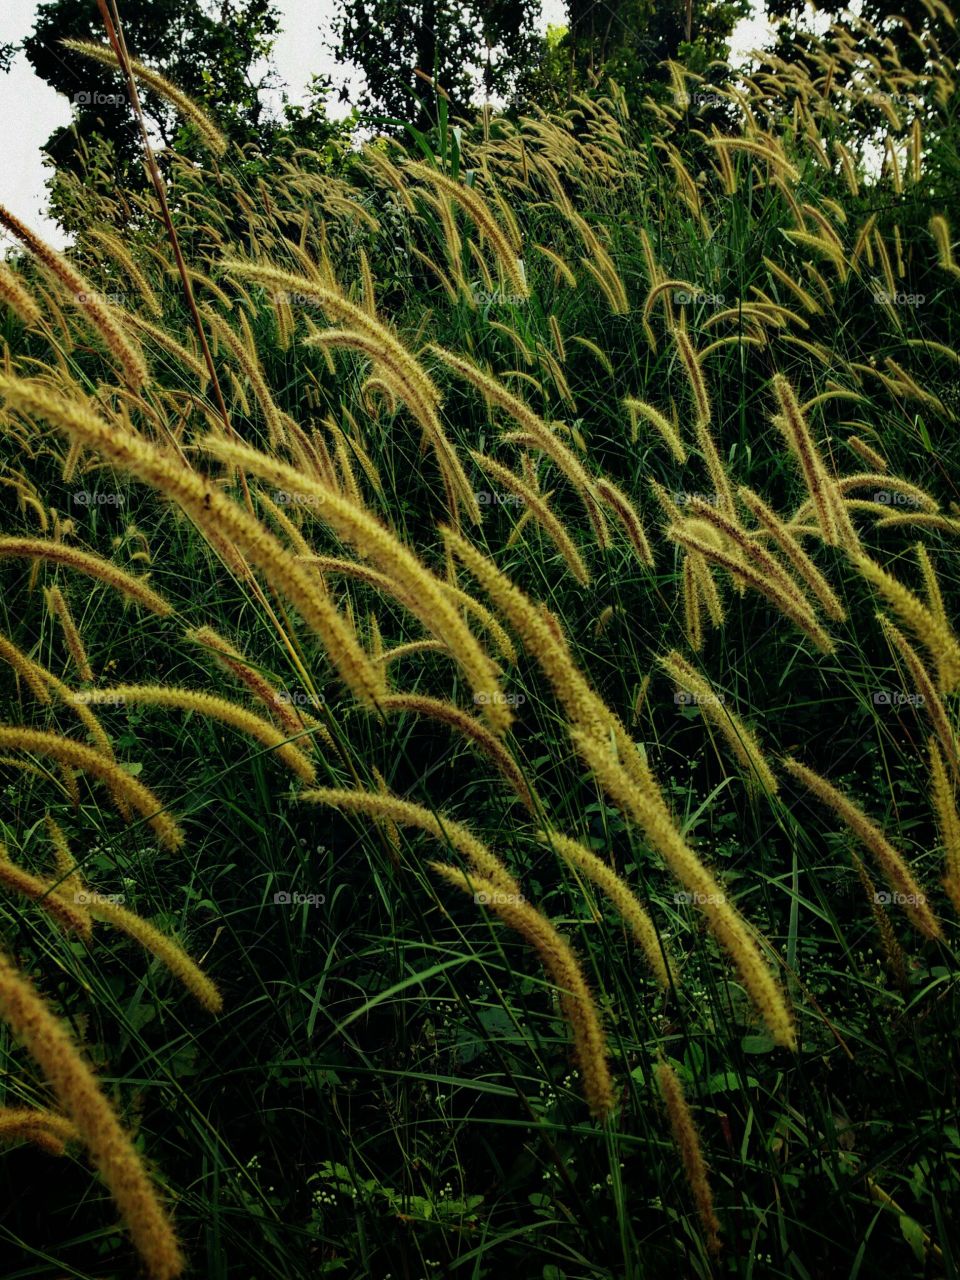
(212, 52)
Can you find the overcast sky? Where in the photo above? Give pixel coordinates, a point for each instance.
(31, 110)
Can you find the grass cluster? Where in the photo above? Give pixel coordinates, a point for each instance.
(480, 678)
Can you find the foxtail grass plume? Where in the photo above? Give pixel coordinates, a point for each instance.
(541, 513)
(623, 898)
(539, 633)
(61, 610)
(87, 563)
(940, 230)
(215, 514)
(45, 1129)
(793, 552)
(895, 870)
(638, 409)
(77, 755)
(170, 955)
(15, 295)
(48, 895)
(210, 707)
(931, 584)
(741, 741)
(688, 1144)
(469, 728)
(723, 920)
(749, 549)
(50, 1045)
(207, 131)
(421, 591)
(27, 670)
(691, 539)
(405, 813)
(535, 433)
(289, 717)
(476, 207)
(892, 951)
(692, 606)
(99, 314)
(933, 633)
(945, 807)
(623, 509)
(823, 494)
(924, 685)
(564, 972)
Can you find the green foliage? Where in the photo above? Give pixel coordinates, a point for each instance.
(211, 55)
(466, 48)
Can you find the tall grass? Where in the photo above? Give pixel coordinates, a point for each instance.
(574, 508)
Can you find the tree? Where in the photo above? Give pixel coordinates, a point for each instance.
(208, 51)
(479, 44)
(920, 15)
(628, 39)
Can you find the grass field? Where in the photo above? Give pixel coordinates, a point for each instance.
(480, 685)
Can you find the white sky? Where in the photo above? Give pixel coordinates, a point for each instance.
(31, 110)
